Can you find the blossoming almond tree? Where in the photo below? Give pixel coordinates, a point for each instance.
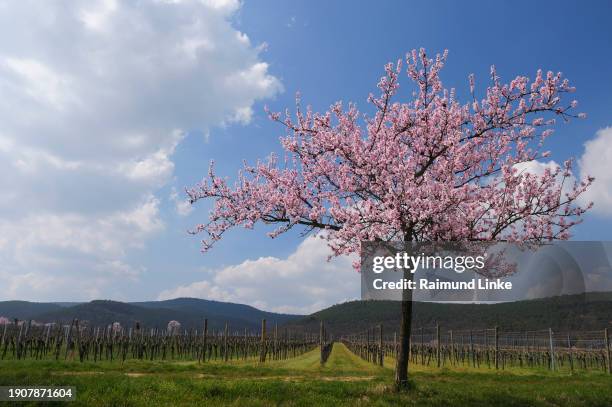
(427, 169)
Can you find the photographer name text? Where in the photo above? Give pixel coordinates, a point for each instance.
(437, 284)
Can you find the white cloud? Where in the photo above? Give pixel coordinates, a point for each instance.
(536, 167)
(596, 162)
(60, 256)
(225, 6)
(96, 96)
(303, 282)
(155, 169)
(182, 206)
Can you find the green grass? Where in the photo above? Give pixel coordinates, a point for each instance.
(345, 380)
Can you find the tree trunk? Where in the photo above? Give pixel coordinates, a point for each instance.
(401, 367)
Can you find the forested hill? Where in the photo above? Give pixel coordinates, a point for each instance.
(190, 312)
(572, 312)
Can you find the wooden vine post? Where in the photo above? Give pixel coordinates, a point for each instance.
(496, 348)
(381, 354)
(607, 342)
(552, 349)
(438, 353)
(321, 341)
(262, 349)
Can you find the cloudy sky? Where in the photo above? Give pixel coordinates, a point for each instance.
(109, 109)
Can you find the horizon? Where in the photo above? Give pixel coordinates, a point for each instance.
(322, 309)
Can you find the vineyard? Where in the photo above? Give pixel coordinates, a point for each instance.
(22, 341)
(276, 365)
(487, 348)
(490, 348)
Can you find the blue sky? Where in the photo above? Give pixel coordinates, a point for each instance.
(328, 51)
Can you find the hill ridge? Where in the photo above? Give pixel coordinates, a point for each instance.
(570, 312)
(190, 312)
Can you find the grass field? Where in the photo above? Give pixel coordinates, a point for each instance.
(345, 380)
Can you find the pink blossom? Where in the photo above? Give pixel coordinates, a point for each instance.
(173, 327)
(428, 169)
